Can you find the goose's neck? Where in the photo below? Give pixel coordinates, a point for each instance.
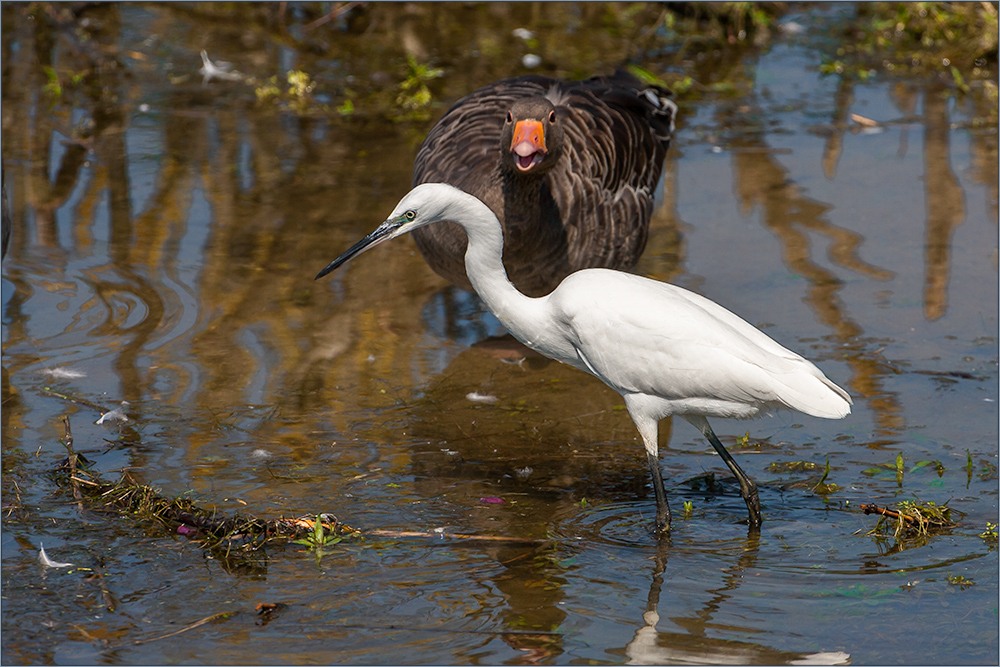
(522, 205)
(484, 266)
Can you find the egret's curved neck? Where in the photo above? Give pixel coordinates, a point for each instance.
(484, 266)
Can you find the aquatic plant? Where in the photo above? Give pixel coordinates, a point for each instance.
(955, 41)
(910, 519)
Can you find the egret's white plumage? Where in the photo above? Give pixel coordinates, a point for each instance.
(666, 350)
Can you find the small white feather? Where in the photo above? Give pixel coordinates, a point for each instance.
(44, 559)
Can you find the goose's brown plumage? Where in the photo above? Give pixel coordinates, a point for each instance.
(590, 155)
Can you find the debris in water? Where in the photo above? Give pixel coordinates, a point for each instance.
(267, 610)
(116, 414)
(217, 70)
(232, 539)
(861, 120)
(476, 397)
(910, 519)
(64, 373)
(492, 500)
(792, 28)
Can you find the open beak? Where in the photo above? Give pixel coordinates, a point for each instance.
(528, 144)
(387, 230)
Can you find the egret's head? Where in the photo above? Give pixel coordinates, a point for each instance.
(423, 205)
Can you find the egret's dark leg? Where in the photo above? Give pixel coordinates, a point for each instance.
(662, 506)
(747, 487)
(646, 421)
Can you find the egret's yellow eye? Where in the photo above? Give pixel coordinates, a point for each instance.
(410, 215)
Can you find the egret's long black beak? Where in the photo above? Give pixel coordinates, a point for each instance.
(384, 232)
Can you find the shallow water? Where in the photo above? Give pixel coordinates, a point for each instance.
(166, 259)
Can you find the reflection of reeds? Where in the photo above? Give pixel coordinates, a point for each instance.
(761, 180)
(945, 203)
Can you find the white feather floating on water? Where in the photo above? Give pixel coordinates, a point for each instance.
(476, 397)
(116, 414)
(64, 373)
(44, 559)
(217, 70)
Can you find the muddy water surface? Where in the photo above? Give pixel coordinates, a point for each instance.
(163, 255)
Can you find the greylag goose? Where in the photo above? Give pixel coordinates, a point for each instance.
(569, 167)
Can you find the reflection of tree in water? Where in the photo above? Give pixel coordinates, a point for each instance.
(944, 196)
(983, 146)
(945, 202)
(761, 180)
(532, 586)
(32, 132)
(785, 210)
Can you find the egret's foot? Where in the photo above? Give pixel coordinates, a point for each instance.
(752, 499)
(662, 524)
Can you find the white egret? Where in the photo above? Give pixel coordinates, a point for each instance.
(666, 350)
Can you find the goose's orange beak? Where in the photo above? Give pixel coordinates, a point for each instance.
(528, 144)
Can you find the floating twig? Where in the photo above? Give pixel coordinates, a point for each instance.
(98, 574)
(197, 624)
(73, 399)
(884, 511)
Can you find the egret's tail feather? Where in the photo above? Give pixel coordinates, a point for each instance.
(816, 395)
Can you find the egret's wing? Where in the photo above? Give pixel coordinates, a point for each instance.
(643, 336)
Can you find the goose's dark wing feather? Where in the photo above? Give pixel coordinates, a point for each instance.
(617, 140)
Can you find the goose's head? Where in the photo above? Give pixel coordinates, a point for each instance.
(532, 137)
